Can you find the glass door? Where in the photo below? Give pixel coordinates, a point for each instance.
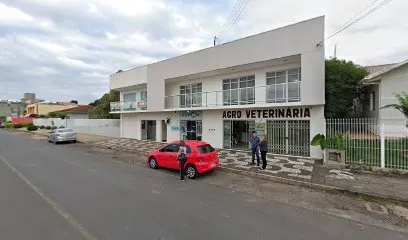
(227, 143)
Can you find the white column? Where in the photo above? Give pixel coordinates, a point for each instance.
(158, 130)
(317, 125)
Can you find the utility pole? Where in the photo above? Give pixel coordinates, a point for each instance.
(215, 40)
(335, 51)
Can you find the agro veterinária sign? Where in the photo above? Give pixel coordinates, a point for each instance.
(268, 113)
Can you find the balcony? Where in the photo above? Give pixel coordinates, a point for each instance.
(276, 93)
(128, 106)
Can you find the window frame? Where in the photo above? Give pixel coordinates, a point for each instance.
(280, 89)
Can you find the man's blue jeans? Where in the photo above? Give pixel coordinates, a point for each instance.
(255, 151)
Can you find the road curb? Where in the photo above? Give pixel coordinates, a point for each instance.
(321, 187)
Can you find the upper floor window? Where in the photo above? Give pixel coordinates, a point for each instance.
(191, 95)
(238, 91)
(129, 97)
(283, 86)
(129, 101)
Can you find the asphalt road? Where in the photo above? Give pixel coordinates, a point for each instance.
(63, 192)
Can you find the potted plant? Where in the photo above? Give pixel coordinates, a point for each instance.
(330, 145)
(401, 105)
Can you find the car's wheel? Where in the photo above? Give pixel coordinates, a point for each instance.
(153, 163)
(191, 171)
(55, 141)
(74, 141)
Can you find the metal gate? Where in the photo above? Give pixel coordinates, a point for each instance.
(289, 137)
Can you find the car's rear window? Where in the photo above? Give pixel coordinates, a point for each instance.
(65, 130)
(205, 148)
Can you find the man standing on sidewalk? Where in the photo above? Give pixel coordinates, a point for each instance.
(254, 140)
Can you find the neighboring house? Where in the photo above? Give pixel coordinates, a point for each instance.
(44, 108)
(78, 112)
(272, 82)
(380, 87)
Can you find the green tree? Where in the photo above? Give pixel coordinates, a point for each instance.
(342, 87)
(102, 106)
(74, 101)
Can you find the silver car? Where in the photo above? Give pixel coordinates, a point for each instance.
(62, 135)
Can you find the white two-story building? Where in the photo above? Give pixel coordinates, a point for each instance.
(272, 83)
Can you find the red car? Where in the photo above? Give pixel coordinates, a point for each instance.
(201, 157)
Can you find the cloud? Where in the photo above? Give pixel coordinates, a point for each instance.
(65, 53)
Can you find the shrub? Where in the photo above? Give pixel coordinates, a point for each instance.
(61, 126)
(48, 127)
(42, 127)
(32, 128)
(53, 127)
(17, 126)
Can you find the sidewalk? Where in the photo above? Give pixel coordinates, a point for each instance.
(290, 170)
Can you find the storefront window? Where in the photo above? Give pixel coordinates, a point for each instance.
(237, 134)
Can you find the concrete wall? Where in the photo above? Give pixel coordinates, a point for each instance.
(102, 127)
(78, 115)
(57, 122)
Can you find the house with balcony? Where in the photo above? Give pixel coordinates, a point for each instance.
(272, 83)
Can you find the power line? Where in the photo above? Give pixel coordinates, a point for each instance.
(354, 20)
(229, 20)
(236, 19)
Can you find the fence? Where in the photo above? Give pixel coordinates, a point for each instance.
(372, 142)
(102, 127)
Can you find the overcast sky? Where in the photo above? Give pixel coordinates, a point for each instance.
(66, 49)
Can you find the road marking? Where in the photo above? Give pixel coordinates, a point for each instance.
(70, 219)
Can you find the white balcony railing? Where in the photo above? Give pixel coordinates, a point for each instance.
(128, 106)
(276, 93)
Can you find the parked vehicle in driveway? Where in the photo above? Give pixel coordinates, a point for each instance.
(201, 157)
(62, 135)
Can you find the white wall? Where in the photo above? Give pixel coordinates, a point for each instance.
(131, 127)
(128, 78)
(57, 122)
(78, 116)
(102, 127)
(395, 81)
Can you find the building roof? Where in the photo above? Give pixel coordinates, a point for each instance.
(378, 70)
(77, 109)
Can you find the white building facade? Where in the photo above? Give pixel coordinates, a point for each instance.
(272, 83)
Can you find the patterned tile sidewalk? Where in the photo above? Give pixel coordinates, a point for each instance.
(287, 167)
